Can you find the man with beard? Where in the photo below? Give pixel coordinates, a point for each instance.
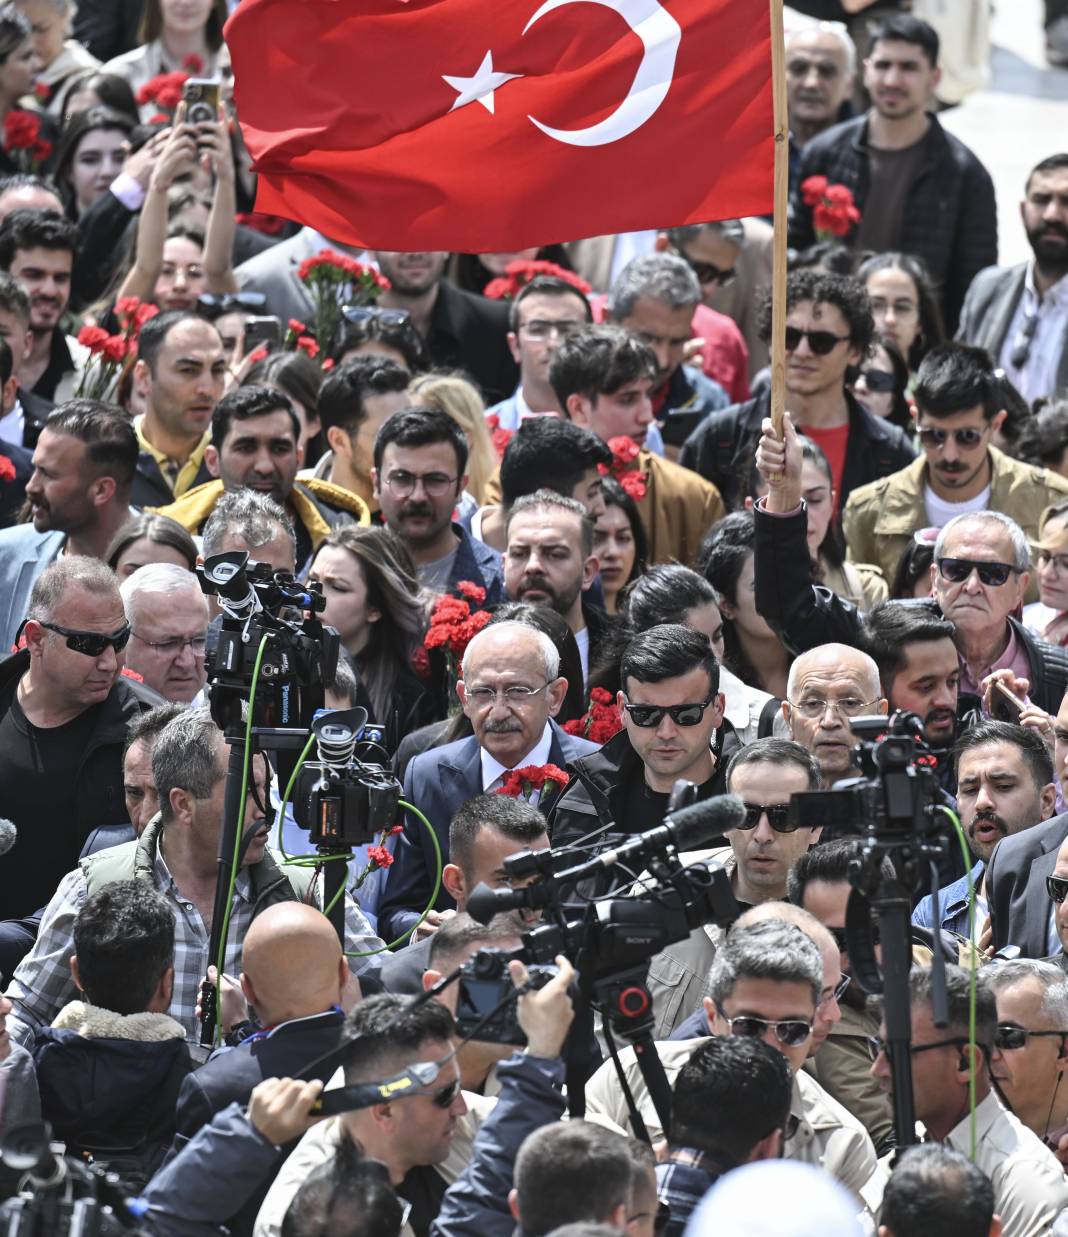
(1019, 314)
(461, 330)
(37, 248)
(420, 471)
(550, 562)
(79, 497)
(254, 446)
(959, 409)
(1004, 786)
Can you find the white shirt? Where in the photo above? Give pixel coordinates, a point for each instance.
(1036, 617)
(1038, 375)
(494, 773)
(12, 425)
(582, 639)
(940, 512)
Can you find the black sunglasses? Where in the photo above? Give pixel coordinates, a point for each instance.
(778, 815)
(880, 381)
(1013, 1037)
(216, 304)
(878, 1045)
(388, 317)
(957, 570)
(647, 715)
(967, 437)
(91, 643)
(1057, 888)
(706, 272)
(444, 1096)
(821, 342)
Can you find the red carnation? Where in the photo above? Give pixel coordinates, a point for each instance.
(379, 856)
(7, 469)
(298, 328)
(306, 344)
(601, 695)
(115, 347)
(193, 64)
(21, 129)
(813, 189)
(93, 337)
(472, 591)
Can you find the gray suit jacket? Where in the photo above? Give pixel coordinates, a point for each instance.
(274, 273)
(1016, 886)
(24, 554)
(988, 311)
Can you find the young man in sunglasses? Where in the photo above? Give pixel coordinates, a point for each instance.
(828, 330)
(958, 413)
(1030, 1188)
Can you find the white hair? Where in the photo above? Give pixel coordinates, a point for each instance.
(157, 579)
(866, 662)
(836, 30)
(550, 655)
(1020, 549)
(1052, 979)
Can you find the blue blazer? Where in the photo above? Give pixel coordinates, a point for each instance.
(24, 554)
(438, 783)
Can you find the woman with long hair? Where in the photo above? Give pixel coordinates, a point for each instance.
(619, 542)
(453, 395)
(882, 383)
(19, 64)
(150, 538)
(903, 304)
(294, 374)
(380, 610)
(91, 153)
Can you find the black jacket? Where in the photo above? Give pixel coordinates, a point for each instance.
(470, 333)
(805, 615)
(1020, 908)
(107, 28)
(950, 216)
(723, 447)
(13, 492)
(152, 489)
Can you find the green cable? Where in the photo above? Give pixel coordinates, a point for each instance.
(974, 969)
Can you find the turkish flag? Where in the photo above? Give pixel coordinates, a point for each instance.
(496, 125)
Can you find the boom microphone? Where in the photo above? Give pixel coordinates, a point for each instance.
(8, 836)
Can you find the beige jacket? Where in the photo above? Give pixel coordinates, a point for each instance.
(827, 1135)
(1030, 1188)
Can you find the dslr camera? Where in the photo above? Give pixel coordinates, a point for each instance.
(486, 984)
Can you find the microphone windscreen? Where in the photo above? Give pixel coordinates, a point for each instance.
(702, 823)
(8, 836)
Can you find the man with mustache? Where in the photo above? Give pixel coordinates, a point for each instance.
(1005, 785)
(1019, 314)
(958, 412)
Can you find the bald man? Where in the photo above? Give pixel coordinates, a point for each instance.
(828, 686)
(296, 981)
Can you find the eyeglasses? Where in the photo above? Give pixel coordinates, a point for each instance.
(813, 706)
(706, 272)
(91, 643)
(880, 381)
(1058, 561)
(175, 644)
(821, 342)
(838, 991)
(967, 437)
(902, 309)
(878, 1045)
(992, 574)
(1021, 347)
(778, 815)
(1009, 1037)
(516, 696)
(1057, 888)
(364, 313)
(649, 715)
(842, 941)
(790, 1032)
(436, 484)
(542, 328)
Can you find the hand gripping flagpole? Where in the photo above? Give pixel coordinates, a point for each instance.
(778, 249)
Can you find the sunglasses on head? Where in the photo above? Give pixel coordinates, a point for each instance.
(648, 715)
(821, 342)
(880, 381)
(1011, 1037)
(1057, 888)
(216, 304)
(790, 1032)
(388, 317)
(91, 643)
(967, 437)
(957, 570)
(778, 815)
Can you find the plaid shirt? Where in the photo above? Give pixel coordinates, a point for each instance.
(42, 982)
(684, 1180)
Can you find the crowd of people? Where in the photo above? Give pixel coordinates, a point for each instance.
(571, 561)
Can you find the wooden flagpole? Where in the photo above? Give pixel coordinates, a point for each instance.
(782, 183)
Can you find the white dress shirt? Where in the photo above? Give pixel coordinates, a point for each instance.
(494, 773)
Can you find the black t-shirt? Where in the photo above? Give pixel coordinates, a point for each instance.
(646, 808)
(38, 773)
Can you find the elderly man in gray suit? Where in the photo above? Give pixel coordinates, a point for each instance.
(1019, 314)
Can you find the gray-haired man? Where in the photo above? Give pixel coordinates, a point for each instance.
(168, 616)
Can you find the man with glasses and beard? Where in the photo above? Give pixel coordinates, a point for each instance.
(959, 409)
(1019, 314)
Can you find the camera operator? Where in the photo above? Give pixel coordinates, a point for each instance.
(766, 982)
(1030, 1188)
(254, 522)
(482, 834)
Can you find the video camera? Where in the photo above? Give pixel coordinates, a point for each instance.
(483, 992)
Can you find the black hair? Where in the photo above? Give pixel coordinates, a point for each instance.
(1032, 748)
(153, 335)
(460, 936)
(293, 372)
(845, 293)
(777, 752)
(1018, 414)
(721, 560)
(159, 529)
(347, 1196)
(899, 414)
(514, 819)
(954, 378)
(570, 1170)
(904, 28)
(14, 298)
(15, 29)
(146, 727)
(914, 566)
(932, 329)
(124, 942)
(831, 862)
(26, 180)
(386, 1026)
(936, 1191)
(668, 651)
(1043, 439)
(549, 453)
(342, 395)
(730, 1095)
(547, 285)
(615, 495)
(94, 120)
(1052, 163)
(7, 361)
(244, 403)
(891, 627)
(113, 91)
(35, 229)
(106, 431)
(826, 257)
(599, 360)
(666, 594)
(420, 427)
(379, 328)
